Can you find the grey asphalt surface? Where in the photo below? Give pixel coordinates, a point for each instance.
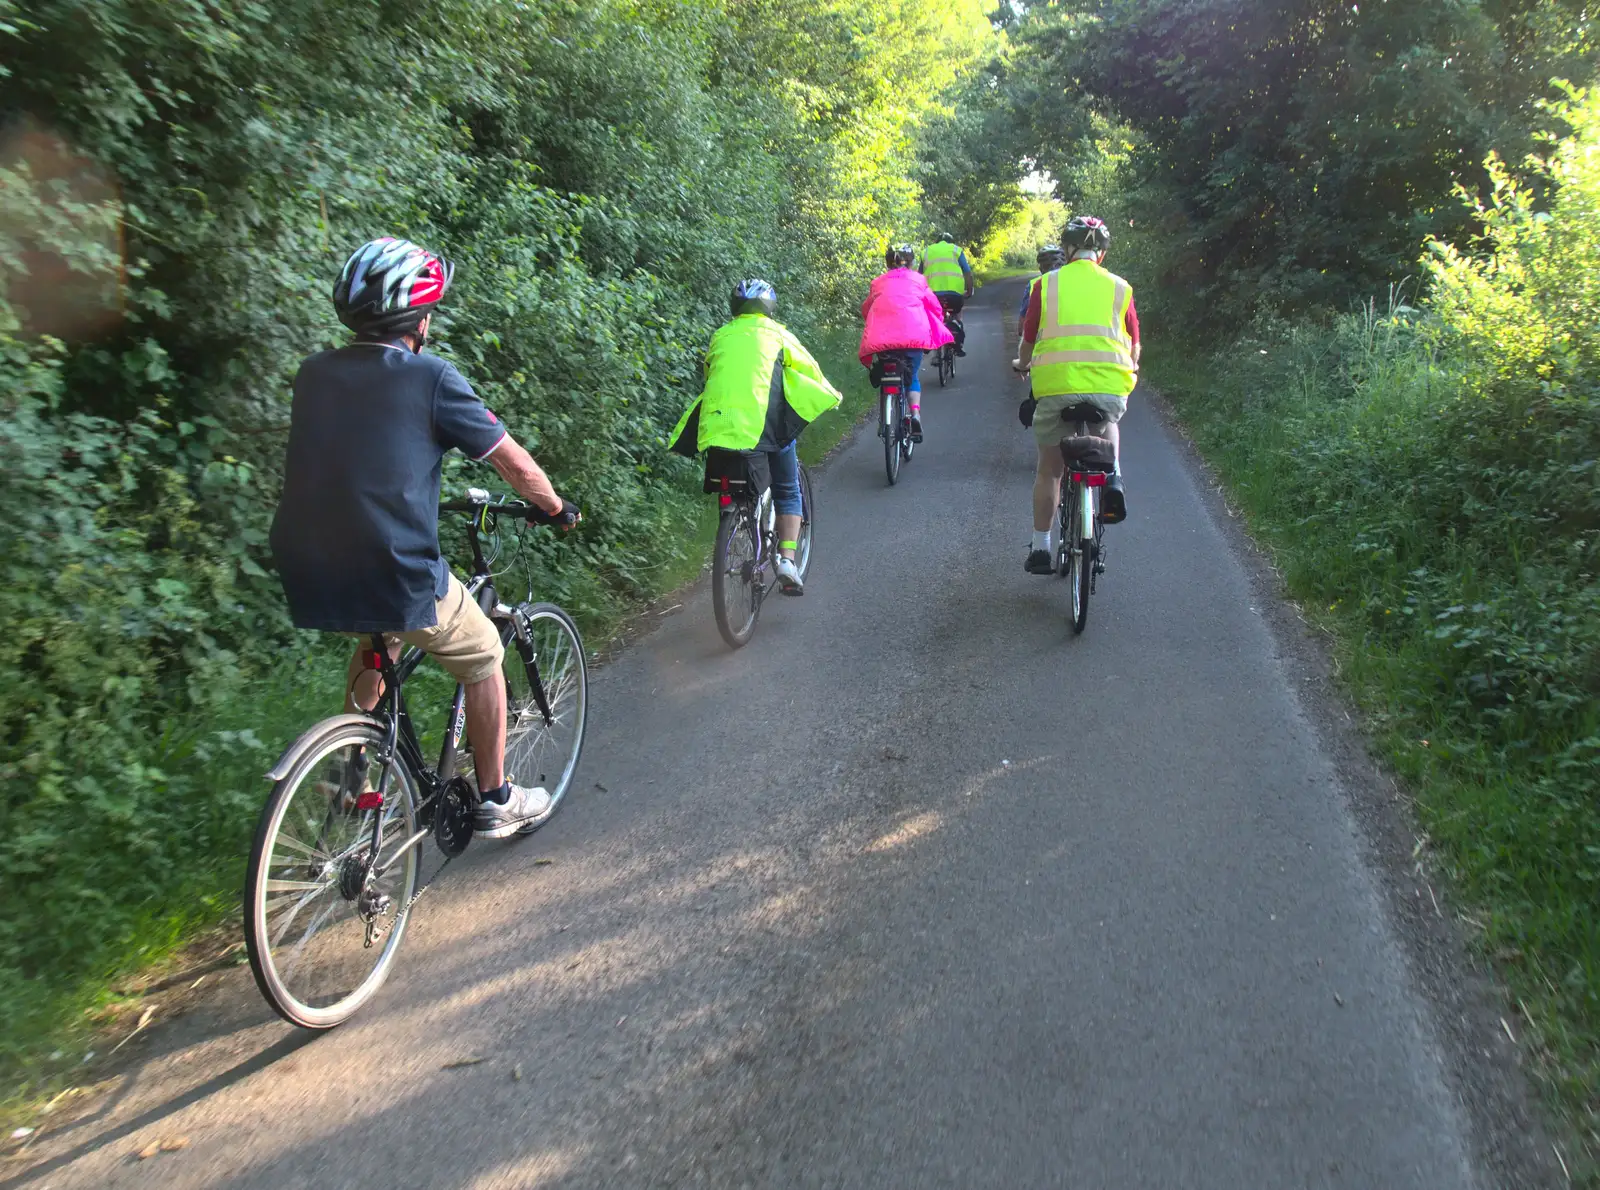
(917, 890)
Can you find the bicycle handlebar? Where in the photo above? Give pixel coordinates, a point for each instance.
(479, 500)
(507, 508)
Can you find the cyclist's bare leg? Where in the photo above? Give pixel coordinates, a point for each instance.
(1047, 488)
(1115, 436)
(788, 530)
(486, 730)
(486, 710)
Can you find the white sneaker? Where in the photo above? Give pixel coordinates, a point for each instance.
(524, 811)
(789, 578)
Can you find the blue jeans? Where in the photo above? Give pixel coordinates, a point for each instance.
(916, 368)
(785, 466)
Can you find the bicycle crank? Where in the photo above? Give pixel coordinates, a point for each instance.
(452, 817)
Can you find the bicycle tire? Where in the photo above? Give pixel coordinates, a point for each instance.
(808, 518)
(277, 969)
(943, 364)
(1082, 567)
(744, 589)
(891, 437)
(1064, 532)
(536, 752)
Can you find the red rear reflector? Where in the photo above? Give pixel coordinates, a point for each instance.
(374, 660)
(1092, 479)
(724, 483)
(371, 800)
(726, 500)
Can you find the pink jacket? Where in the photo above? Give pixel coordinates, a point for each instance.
(901, 312)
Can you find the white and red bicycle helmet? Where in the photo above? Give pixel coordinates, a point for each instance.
(388, 285)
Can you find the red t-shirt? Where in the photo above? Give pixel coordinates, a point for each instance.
(1030, 321)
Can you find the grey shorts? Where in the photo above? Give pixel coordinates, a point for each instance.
(1048, 428)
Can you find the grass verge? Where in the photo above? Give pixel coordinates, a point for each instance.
(1001, 272)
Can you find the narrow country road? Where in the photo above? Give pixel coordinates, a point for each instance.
(917, 890)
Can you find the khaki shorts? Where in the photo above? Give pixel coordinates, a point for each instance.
(464, 641)
(1049, 429)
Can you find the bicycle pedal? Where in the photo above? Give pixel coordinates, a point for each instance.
(1099, 567)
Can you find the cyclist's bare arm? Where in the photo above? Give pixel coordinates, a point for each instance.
(526, 477)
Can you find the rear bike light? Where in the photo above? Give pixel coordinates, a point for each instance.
(1091, 479)
(371, 800)
(725, 500)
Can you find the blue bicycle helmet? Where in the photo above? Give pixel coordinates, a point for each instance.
(754, 296)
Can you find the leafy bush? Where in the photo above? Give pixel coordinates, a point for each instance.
(181, 186)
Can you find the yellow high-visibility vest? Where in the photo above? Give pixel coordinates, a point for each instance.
(1083, 344)
(941, 265)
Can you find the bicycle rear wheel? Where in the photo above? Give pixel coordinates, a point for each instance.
(735, 593)
(943, 362)
(544, 641)
(1082, 567)
(891, 436)
(808, 515)
(304, 890)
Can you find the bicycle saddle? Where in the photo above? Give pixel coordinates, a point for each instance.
(1084, 412)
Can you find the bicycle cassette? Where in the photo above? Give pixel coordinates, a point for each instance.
(452, 818)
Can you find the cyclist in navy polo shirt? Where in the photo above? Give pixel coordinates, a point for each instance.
(356, 534)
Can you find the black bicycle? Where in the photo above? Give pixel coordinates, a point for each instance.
(1081, 549)
(945, 357)
(744, 565)
(891, 372)
(333, 871)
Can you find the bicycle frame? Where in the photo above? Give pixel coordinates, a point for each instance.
(756, 508)
(400, 735)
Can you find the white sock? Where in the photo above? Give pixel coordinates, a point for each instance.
(1041, 541)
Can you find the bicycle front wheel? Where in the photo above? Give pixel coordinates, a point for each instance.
(543, 645)
(735, 593)
(320, 934)
(808, 520)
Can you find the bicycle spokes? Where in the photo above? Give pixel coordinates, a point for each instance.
(324, 885)
(542, 741)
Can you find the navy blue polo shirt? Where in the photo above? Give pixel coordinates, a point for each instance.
(356, 534)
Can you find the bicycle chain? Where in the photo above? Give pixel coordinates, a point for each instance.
(415, 897)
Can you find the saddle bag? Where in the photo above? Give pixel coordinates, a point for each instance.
(744, 470)
(886, 365)
(1086, 452)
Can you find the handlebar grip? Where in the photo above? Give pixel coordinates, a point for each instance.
(566, 518)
